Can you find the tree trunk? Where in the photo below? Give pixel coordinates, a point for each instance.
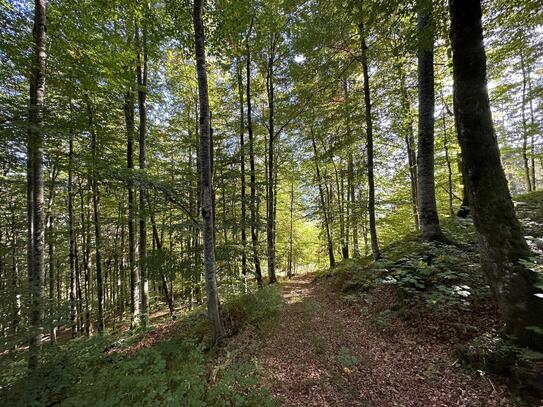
(35, 185)
(354, 205)
(533, 129)
(270, 229)
(329, 242)
(525, 159)
(429, 221)
(217, 329)
(158, 243)
(71, 231)
(369, 145)
(502, 244)
(16, 316)
(291, 231)
(447, 157)
(85, 237)
(242, 169)
(252, 203)
(53, 278)
(96, 216)
(134, 274)
(142, 107)
(410, 146)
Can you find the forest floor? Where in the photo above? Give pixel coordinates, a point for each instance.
(328, 350)
(417, 328)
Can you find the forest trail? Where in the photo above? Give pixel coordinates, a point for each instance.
(327, 350)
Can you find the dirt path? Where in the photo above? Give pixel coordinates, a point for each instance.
(326, 351)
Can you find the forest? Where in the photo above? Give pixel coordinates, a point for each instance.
(271, 203)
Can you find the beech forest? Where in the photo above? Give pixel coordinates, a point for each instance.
(271, 203)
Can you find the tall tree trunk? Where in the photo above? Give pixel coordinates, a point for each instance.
(96, 216)
(206, 185)
(35, 184)
(533, 129)
(85, 235)
(525, 159)
(158, 243)
(134, 274)
(410, 146)
(447, 157)
(429, 221)
(464, 210)
(369, 145)
(252, 204)
(341, 209)
(502, 244)
(329, 242)
(16, 316)
(270, 228)
(354, 205)
(291, 232)
(242, 169)
(53, 278)
(142, 108)
(71, 232)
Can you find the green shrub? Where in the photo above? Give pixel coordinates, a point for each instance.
(259, 309)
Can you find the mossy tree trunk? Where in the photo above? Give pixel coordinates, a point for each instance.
(502, 244)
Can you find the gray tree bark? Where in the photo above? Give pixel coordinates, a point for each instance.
(369, 145)
(134, 274)
(429, 221)
(96, 218)
(35, 184)
(206, 186)
(270, 226)
(252, 167)
(329, 241)
(142, 108)
(242, 169)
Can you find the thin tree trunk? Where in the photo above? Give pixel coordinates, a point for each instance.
(341, 209)
(158, 243)
(354, 205)
(206, 186)
(533, 129)
(71, 231)
(501, 241)
(142, 108)
(134, 274)
(270, 229)
(85, 235)
(447, 157)
(242, 169)
(429, 220)
(16, 317)
(410, 146)
(53, 307)
(525, 159)
(96, 216)
(291, 231)
(252, 203)
(369, 145)
(329, 242)
(35, 185)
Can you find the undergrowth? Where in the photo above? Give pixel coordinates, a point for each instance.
(177, 369)
(440, 290)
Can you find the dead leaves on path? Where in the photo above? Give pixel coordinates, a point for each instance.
(326, 351)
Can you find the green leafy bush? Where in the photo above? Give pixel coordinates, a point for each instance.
(260, 309)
